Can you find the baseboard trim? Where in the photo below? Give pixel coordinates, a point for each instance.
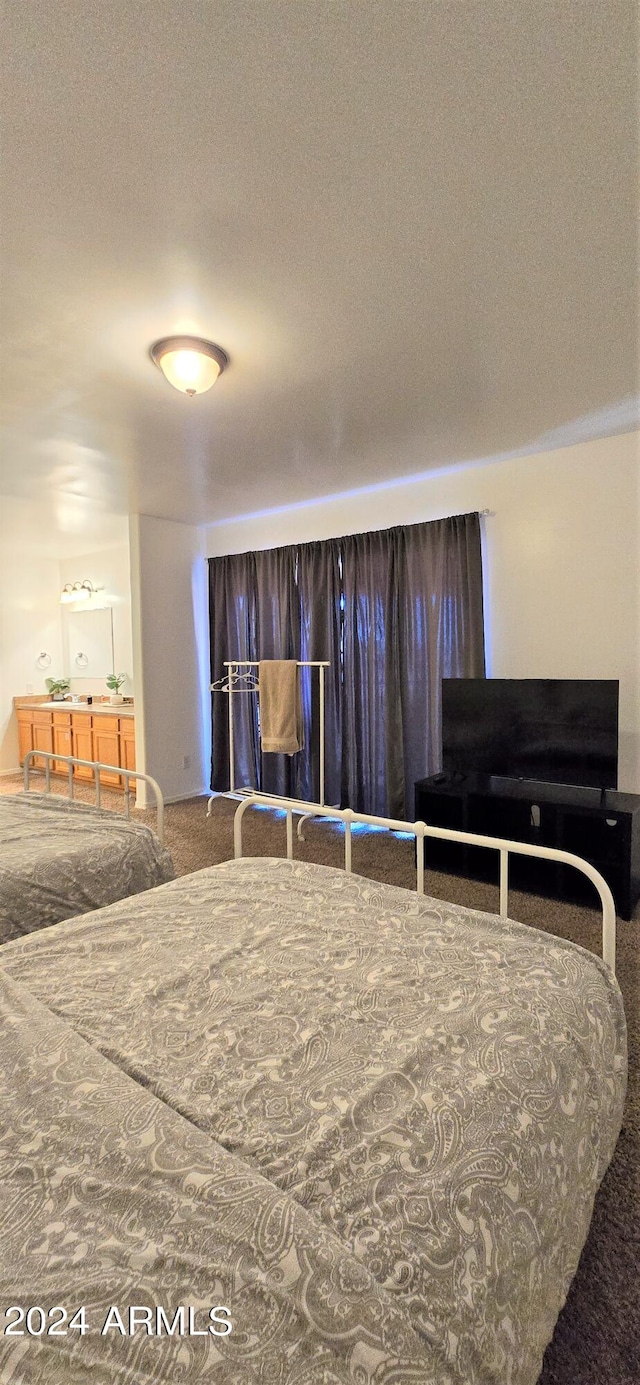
(8, 773)
(180, 797)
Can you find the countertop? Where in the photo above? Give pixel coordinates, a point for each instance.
(99, 709)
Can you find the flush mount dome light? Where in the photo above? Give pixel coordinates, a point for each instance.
(190, 364)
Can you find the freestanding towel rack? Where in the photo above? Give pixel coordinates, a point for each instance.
(241, 678)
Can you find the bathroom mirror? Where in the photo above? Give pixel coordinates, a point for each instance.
(88, 643)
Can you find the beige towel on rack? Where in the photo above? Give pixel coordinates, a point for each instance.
(280, 706)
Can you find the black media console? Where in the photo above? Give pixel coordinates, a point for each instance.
(601, 826)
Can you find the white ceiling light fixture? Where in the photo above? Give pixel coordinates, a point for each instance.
(190, 364)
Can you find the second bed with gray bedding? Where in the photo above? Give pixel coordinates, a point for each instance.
(60, 858)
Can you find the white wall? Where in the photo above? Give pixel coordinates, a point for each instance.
(29, 626)
(109, 570)
(561, 551)
(32, 574)
(171, 654)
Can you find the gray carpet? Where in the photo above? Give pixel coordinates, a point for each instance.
(596, 1341)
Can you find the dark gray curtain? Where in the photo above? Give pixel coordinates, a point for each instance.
(277, 636)
(232, 622)
(440, 633)
(319, 587)
(395, 611)
(372, 761)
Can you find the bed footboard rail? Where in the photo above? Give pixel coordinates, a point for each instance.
(96, 766)
(420, 830)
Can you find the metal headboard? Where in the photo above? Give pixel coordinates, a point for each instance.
(96, 766)
(420, 830)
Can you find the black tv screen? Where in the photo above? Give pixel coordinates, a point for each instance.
(558, 730)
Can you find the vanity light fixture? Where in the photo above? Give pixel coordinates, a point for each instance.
(190, 364)
(78, 591)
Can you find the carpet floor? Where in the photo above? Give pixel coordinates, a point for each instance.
(597, 1337)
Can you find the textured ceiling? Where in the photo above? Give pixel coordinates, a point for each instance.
(410, 225)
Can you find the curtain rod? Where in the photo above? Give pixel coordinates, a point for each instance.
(482, 513)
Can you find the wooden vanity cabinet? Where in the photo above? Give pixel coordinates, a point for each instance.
(25, 733)
(74, 730)
(106, 746)
(61, 739)
(42, 735)
(82, 742)
(127, 743)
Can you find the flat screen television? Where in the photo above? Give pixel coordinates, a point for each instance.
(557, 730)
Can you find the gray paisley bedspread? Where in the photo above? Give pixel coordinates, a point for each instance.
(59, 859)
(370, 1125)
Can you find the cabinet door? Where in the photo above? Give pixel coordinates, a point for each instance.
(106, 747)
(42, 735)
(25, 733)
(127, 743)
(82, 742)
(440, 809)
(61, 740)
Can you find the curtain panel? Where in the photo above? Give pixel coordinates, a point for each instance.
(395, 611)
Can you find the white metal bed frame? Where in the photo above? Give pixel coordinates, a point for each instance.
(420, 830)
(96, 765)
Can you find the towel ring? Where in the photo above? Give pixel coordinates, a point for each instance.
(43, 660)
(82, 660)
